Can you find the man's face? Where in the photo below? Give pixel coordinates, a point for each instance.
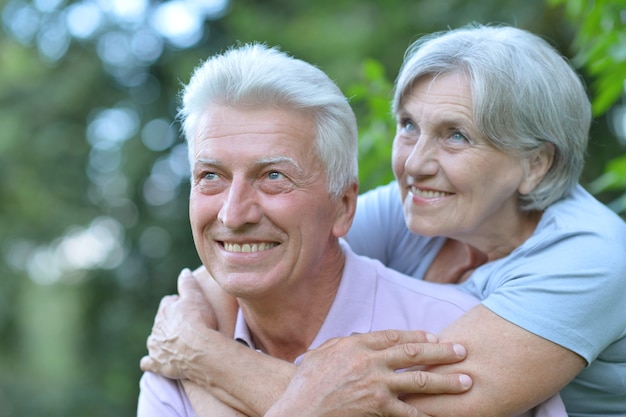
(260, 211)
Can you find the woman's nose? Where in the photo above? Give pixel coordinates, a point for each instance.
(422, 160)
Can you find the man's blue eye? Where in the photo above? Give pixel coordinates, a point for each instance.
(407, 125)
(274, 175)
(210, 176)
(459, 137)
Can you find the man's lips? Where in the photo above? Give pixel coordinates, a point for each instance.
(248, 247)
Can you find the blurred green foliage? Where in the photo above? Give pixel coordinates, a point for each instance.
(93, 195)
(370, 98)
(600, 43)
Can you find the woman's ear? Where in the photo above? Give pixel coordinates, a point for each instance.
(537, 165)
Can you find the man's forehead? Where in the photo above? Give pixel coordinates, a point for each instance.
(261, 117)
(271, 124)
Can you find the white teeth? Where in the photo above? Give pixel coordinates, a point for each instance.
(428, 193)
(247, 247)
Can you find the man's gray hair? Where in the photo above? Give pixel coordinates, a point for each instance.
(257, 76)
(525, 95)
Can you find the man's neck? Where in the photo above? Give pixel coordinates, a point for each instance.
(285, 326)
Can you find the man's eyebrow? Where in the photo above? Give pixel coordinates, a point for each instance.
(277, 160)
(207, 161)
(271, 160)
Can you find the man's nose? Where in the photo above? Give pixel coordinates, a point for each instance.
(240, 206)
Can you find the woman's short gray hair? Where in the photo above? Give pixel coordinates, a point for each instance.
(524, 93)
(257, 76)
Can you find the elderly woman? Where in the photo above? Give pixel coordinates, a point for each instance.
(492, 126)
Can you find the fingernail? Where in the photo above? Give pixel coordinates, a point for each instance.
(459, 350)
(465, 381)
(431, 338)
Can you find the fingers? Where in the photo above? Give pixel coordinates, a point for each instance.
(384, 339)
(420, 354)
(200, 271)
(401, 408)
(205, 282)
(390, 351)
(167, 300)
(146, 364)
(154, 340)
(187, 284)
(423, 382)
(176, 325)
(398, 349)
(164, 306)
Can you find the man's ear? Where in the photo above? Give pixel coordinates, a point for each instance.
(537, 165)
(346, 207)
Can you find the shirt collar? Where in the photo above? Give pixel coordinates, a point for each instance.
(351, 311)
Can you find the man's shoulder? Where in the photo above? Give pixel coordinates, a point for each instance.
(406, 287)
(162, 396)
(448, 293)
(406, 303)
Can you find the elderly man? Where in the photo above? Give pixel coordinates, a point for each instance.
(273, 151)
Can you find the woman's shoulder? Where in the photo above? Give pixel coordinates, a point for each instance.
(577, 237)
(580, 213)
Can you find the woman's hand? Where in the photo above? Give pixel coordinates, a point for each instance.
(185, 344)
(358, 376)
(181, 328)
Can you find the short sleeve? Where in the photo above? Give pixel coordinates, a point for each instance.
(570, 289)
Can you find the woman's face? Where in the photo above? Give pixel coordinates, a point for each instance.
(452, 181)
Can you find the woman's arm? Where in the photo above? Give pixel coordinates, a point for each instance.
(206, 405)
(222, 305)
(182, 346)
(344, 377)
(512, 371)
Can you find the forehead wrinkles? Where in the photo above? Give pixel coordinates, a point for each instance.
(243, 120)
(233, 130)
(290, 134)
(446, 99)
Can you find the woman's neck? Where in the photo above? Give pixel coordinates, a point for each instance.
(498, 242)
